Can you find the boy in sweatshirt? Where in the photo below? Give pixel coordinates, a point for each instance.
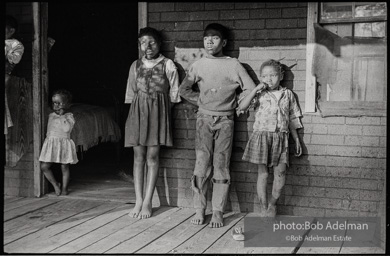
(218, 77)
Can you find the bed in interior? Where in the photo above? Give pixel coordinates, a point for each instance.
(97, 115)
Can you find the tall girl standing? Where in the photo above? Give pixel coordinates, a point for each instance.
(152, 87)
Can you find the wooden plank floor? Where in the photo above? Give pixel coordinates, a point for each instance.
(73, 225)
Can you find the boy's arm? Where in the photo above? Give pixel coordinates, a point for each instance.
(185, 88)
(249, 89)
(246, 82)
(244, 103)
(173, 77)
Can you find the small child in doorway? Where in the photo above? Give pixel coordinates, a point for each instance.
(218, 77)
(152, 88)
(277, 115)
(58, 147)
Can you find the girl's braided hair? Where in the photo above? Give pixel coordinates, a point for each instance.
(273, 63)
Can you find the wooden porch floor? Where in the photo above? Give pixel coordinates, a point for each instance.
(68, 225)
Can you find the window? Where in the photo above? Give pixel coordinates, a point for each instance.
(349, 58)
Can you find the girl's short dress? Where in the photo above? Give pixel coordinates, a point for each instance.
(149, 119)
(58, 147)
(268, 143)
(268, 148)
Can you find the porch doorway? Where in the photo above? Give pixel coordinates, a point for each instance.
(95, 44)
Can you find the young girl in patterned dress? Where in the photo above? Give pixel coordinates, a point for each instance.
(58, 147)
(152, 87)
(277, 115)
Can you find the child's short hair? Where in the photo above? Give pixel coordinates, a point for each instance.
(148, 31)
(217, 27)
(11, 22)
(273, 63)
(65, 94)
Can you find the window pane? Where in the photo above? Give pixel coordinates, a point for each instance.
(337, 10)
(370, 9)
(342, 30)
(340, 89)
(350, 70)
(374, 29)
(369, 79)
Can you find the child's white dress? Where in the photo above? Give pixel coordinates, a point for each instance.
(58, 147)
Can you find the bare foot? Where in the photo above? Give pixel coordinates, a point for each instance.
(57, 188)
(271, 212)
(146, 210)
(198, 219)
(125, 176)
(65, 191)
(136, 210)
(263, 212)
(216, 220)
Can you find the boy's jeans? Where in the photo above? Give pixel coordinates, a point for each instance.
(213, 147)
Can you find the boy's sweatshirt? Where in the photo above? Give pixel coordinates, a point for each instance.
(218, 80)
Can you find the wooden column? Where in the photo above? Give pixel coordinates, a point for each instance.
(142, 17)
(40, 89)
(310, 90)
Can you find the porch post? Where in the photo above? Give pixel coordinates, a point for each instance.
(142, 17)
(39, 86)
(310, 90)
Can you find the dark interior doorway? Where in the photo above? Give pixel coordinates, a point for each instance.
(95, 44)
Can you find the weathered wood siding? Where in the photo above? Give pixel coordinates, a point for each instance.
(19, 180)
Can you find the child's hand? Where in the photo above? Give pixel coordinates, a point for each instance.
(261, 86)
(298, 148)
(61, 111)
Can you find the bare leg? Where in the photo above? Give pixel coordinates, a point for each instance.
(219, 198)
(216, 219)
(45, 167)
(278, 184)
(152, 161)
(198, 219)
(65, 178)
(138, 173)
(262, 188)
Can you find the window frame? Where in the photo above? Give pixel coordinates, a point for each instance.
(333, 108)
(352, 19)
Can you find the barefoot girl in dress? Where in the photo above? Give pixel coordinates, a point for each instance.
(277, 115)
(58, 147)
(152, 88)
